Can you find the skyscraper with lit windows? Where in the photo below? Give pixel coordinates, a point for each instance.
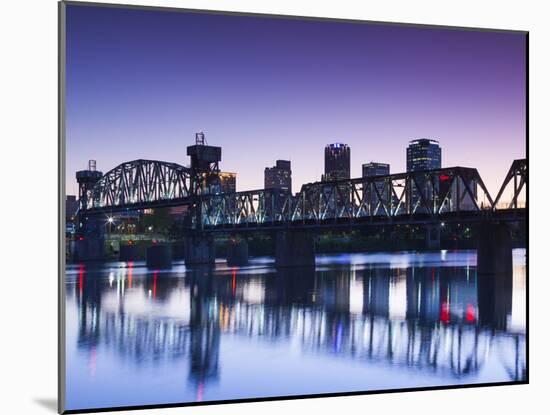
(337, 162)
(423, 154)
(278, 176)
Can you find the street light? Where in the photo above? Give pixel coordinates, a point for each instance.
(110, 221)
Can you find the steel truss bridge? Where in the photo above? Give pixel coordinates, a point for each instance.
(448, 194)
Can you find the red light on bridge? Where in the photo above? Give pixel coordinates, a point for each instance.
(444, 177)
(130, 242)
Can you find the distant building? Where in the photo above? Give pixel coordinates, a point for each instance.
(373, 169)
(423, 154)
(228, 182)
(337, 162)
(71, 207)
(279, 176)
(219, 182)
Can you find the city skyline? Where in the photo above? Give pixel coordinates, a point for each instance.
(283, 96)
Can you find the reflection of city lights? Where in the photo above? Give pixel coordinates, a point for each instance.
(130, 269)
(470, 313)
(445, 312)
(81, 279)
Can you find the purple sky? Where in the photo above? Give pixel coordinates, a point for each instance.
(140, 83)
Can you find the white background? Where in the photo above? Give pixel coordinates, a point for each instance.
(28, 208)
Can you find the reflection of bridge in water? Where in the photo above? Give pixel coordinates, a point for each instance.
(403, 318)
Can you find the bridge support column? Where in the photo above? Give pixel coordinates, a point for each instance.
(494, 249)
(159, 256)
(494, 274)
(128, 253)
(433, 237)
(294, 249)
(237, 252)
(199, 250)
(91, 245)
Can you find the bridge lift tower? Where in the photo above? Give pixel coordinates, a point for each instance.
(86, 180)
(205, 161)
(92, 246)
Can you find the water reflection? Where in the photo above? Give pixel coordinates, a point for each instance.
(398, 312)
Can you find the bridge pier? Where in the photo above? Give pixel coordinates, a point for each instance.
(91, 245)
(199, 250)
(159, 256)
(237, 252)
(433, 237)
(294, 249)
(494, 274)
(494, 250)
(128, 253)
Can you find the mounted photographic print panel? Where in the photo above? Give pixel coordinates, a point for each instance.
(257, 207)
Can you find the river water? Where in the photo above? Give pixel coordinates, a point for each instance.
(355, 322)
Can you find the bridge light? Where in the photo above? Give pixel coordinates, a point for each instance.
(110, 219)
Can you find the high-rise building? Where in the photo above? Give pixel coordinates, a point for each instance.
(228, 182)
(220, 182)
(423, 154)
(71, 206)
(337, 162)
(375, 169)
(279, 176)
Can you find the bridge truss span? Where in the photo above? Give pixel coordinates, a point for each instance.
(140, 184)
(421, 197)
(426, 194)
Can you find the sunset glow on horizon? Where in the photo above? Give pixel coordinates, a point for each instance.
(140, 83)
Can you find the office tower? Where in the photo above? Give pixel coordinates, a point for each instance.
(71, 207)
(375, 169)
(337, 162)
(423, 154)
(381, 194)
(228, 182)
(279, 176)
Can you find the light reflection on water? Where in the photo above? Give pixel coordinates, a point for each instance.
(356, 322)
